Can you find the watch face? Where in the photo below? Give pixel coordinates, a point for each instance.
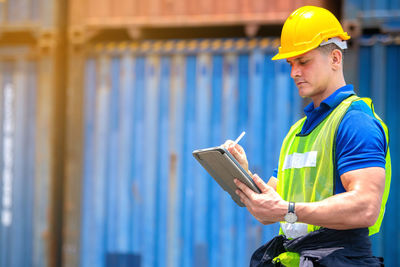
(291, 217)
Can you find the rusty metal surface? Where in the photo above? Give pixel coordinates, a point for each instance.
(73, 161)
(182, 13)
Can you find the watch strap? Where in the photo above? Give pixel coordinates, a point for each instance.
(291, 207)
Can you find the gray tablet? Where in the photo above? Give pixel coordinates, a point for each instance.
(224, 168)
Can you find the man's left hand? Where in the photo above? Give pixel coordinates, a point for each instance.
(267, 207)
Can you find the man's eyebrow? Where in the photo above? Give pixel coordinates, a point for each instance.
(296, 59)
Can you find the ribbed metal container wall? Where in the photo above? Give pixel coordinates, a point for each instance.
(162, 13)
(18, 80)
(31, 131)
(379, 79)
(383, 14)
(145, 200)
(358, 8)
(27, 14)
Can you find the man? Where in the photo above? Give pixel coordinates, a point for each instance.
(333, 177)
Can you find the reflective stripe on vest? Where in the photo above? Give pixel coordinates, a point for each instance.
(306, 171)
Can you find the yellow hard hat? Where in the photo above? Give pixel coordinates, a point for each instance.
(306, 28)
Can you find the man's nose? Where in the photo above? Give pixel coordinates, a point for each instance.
(295, 72)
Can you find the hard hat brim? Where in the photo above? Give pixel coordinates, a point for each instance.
(292, 54)
(298, 53)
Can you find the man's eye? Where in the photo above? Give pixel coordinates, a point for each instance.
(303, 62)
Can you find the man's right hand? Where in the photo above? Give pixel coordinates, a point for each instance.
(238, 153)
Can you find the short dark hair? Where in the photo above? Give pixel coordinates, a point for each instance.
(327, 49)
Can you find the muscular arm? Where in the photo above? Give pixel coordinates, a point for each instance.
(356, 208)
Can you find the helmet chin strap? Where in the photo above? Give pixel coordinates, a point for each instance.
(337, 41)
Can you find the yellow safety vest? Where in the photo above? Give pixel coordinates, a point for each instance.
(307, 170)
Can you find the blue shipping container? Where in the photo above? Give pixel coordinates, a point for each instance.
(379, 79)
(17, 158)
(146, 201)
(383, 14)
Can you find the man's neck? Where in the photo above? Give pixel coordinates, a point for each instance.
(329, 90)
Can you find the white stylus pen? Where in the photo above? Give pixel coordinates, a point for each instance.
(239, 137)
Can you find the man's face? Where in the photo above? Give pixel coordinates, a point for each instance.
(311, 72)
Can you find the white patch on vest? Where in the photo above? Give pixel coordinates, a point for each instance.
(300, 160)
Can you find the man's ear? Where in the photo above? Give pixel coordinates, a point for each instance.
(336, 59)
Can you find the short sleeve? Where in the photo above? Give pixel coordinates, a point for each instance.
(361, 141)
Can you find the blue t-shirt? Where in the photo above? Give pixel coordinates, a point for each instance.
(360, 142)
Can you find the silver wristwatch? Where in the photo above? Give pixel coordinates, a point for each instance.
(291, 216)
